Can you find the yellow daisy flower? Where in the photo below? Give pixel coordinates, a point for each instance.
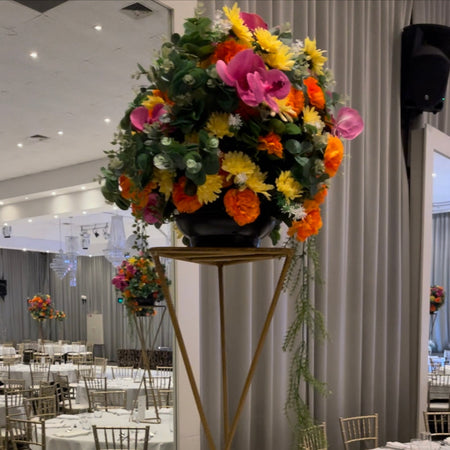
(237, 24)
(164, 179)
(238, 163)
(151, 101)
(218, 125)
(314, 56)
(279, 55)
(255, 182)
(210, 190)
(288, 186)
(312, 117)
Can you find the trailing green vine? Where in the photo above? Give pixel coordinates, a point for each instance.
(307, 322)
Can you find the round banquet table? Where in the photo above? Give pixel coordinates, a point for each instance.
(7, 351)
(22, 372)
(67, 432)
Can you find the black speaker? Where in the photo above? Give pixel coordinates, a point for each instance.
(425, 67)
(3, 289)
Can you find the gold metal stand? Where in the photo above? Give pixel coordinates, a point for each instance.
(221, 257)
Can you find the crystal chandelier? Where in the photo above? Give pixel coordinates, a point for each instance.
(72, 249)
(59, 263)
(116, 248)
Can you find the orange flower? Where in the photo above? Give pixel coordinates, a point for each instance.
(296, 100)
(318, 199)
(315, 93)
(271, 143)
(306, 227)
(333, 155)
(226, 50)
(183, 202)
(242, 206)
(163, 95)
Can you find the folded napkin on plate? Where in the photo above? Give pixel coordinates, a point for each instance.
(397, 445)
(68, 416)
(54, 424)
(72, 433)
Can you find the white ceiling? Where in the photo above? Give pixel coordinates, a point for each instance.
(80, 77)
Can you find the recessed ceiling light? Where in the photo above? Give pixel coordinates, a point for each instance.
(1, 203)
(60, 132)
(84, 212)
(5, 224)
(115, 207)
(107, 120)
(20, 145)
(55, 216)
(434, 175)
(83, 188)
(53, 193)
(30, 220)
(90, 256)
(27, 198)
(24, 249)
(34, 55)
(98, 27)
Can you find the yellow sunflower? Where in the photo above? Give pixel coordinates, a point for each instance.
(279, 55)
(210, 190)
(314, 55)
(237, 24)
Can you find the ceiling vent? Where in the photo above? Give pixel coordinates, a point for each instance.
(137, 11)
(41, 6)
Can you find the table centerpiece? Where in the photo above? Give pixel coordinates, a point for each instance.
(41, 309)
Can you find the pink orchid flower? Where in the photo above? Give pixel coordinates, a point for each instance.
(253, 21)
(141, 115)
(254, 84)
(349, 123)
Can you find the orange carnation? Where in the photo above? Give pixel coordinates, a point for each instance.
(271, 143)
(226, 50)
(296, 100)
(318, 199)
(315, 93)
(242, 206)
(183, 202)
(129, 191)
(333, 155)
(311, 224)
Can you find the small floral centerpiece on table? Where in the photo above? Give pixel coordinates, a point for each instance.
(41, 308)
(437, 298)
(139, 284)
(60, 315)
(236, 117)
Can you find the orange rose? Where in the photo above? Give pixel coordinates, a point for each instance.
(242, 206)
(306, 227)
(317, 200)
(333, 155)
(226, 50)
(183, 202)
(315, 93)
(271, 143)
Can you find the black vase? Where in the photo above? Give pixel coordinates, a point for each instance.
(213, 227)
(146, 301)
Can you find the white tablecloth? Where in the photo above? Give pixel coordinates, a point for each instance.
(58, 437)
(7, 351)
(22, 372)
(51, 349)
(408, 446)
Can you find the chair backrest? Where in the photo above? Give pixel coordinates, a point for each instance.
(14, 403)
(358, 429)
(100, 366)
(109, 399)
(84, 371)
(437, 423)
(21, 432)
(16, 384)
(123, 372)
(164, 371)
(122, 438)
(94, 384)
(314, 438)
(42, 407)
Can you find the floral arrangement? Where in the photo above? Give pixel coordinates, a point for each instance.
(137, 280)
(60, 315)
(437, 298)
(237, 117)
(40, 307)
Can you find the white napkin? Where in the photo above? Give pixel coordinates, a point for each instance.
(72, 433)
(54, 423)
(397, 445)
(68, 416)
(120, 412)
(447, 441)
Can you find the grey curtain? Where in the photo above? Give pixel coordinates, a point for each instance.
(28, 273)
(370, 361)
(440, 275)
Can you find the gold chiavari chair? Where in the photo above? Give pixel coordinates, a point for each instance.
(359, 429)
(122, 438)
